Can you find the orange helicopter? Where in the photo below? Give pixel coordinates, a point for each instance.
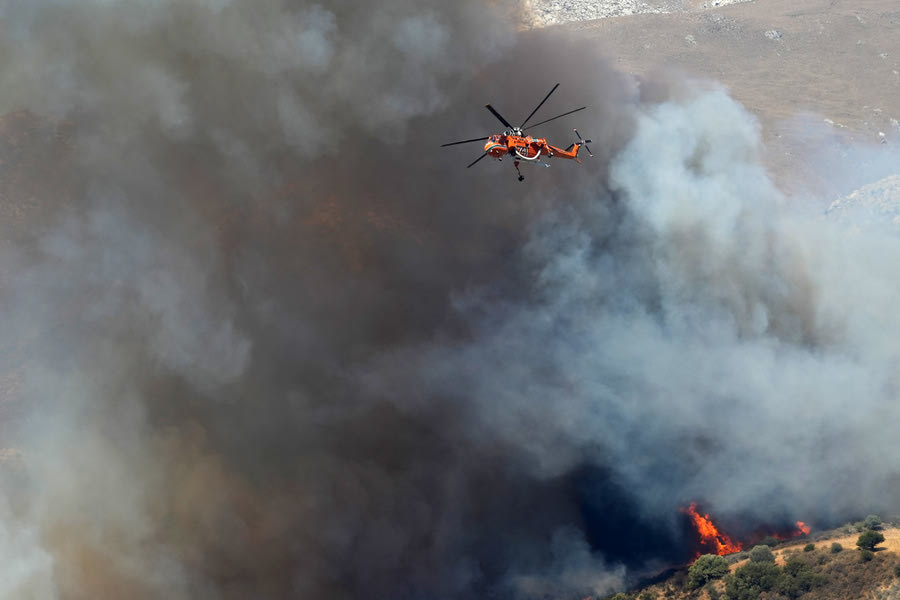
(513, 142)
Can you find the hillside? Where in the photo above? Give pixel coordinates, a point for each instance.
(821, 76)
(843, 574)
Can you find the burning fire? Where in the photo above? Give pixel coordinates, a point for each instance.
(802, 529)
(710, 534)
(716, 540)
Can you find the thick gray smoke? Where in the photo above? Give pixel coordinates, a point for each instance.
(263, 338)
(720, 343)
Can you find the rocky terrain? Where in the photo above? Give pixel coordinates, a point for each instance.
(542, 13)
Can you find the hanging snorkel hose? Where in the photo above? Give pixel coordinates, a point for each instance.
(523, 157)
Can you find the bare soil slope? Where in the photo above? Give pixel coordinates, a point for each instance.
(836, 61)
(891, 540)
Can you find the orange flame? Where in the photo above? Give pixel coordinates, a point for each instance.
(710, 534)
(802, 529)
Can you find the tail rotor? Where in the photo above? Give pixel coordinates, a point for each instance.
(584, 143)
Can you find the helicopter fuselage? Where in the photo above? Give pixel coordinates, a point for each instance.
(525, 148)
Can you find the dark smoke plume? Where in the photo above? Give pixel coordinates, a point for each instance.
(263, 338)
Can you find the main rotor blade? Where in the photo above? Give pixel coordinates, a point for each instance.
(477, 159)
(557, 117)
(481, 139)
(538, 106)
(498, 115)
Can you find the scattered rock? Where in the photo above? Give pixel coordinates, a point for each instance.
(553, 12)
(719, 24)
(716, 3)
(542, 13)
(773, 34)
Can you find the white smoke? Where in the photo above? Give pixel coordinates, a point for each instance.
(725, 343)
(27, 568)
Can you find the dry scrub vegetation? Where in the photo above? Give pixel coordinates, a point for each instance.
(828, 567)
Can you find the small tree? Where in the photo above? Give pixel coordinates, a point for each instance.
(869, 539)
(706, 568)
(836, 547)
(762, 554)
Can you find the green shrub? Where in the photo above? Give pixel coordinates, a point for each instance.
(706, 568)
(797, 578)
(836, 547)
(866, 555)
(897, 570)
(870, 539)
(809, 547)
(872, 522)
(750, 580)
(761, 554)
(769, 541)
